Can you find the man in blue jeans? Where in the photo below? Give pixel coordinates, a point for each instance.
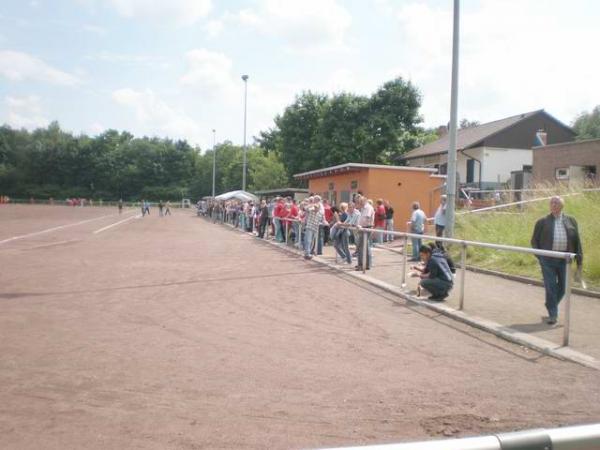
(313, 218)
(557, 232)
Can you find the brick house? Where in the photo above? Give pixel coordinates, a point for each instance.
(569, 162)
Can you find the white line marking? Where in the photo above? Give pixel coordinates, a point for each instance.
(116, 223)
(49, 230)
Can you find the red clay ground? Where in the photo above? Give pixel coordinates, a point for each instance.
(176, 333)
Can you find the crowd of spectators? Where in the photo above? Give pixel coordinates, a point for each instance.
(313, 223)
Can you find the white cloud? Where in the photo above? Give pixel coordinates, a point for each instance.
(306, 26)
(218, 97)
(185, 12)
(155, 117)
(25, 112)
(214, 28)
(209, 72)
(19, 66)
(512, 59)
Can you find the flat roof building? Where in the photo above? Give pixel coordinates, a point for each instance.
(400, 185)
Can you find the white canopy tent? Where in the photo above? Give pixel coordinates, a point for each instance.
(238, 195)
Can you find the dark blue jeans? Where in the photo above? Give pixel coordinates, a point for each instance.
(554, 272)
(341, 245)
(320, 239)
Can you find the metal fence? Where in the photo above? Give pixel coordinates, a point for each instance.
(224, 217)
(582, 437)
(463, 244)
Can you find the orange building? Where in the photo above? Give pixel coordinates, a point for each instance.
(400, 185)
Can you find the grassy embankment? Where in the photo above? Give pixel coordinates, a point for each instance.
(513, 227)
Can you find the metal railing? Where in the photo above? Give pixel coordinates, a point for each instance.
(581, 437)
(463, 244)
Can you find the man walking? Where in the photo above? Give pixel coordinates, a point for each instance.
(557, 232)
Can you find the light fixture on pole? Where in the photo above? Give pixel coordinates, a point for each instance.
(451, 173)
(245, 78)
(214, 159)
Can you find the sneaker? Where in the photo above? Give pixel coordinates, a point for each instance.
(437, 298)
(552, 321)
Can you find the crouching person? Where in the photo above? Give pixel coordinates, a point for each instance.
(436, 277)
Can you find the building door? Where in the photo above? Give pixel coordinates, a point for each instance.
(470, 170)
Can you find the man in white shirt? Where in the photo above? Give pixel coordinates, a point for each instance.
(366, 220)
(417, 226)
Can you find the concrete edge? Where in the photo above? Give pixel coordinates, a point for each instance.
(516, 337)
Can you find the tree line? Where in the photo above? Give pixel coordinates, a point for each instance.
(53, 163)
(315, 131)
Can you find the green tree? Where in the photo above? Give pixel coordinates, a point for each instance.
(587, 125)
(340, 136)
(295, 133)
(265, 171)
(392, 124)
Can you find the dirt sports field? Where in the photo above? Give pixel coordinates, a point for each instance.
(175, 333)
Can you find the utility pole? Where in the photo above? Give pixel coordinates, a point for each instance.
(214, 160)
(451, 175)
(245, 78)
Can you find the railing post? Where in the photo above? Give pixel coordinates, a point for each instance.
(463, 272)
(568, 284)
(404, 260)
(287, 231)
(365, 249)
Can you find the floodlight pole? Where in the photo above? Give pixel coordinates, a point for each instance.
(451, 175)
(245, 78)
(214, 160)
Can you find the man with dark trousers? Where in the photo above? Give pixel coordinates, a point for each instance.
(557, 232)
(436, 276)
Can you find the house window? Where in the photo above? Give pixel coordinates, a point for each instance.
(345, 196)
(562, 173)
(331, 186)
(354, 184)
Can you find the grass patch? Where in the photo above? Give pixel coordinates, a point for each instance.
(514, 227)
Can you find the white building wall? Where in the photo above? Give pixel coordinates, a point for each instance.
(461, 163)
(498, 163)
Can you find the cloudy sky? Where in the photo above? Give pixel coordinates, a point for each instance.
(173, 67)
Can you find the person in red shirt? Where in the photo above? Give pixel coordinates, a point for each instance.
(294, 214)
(328, 215)
(277, 211)
(379, 220)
